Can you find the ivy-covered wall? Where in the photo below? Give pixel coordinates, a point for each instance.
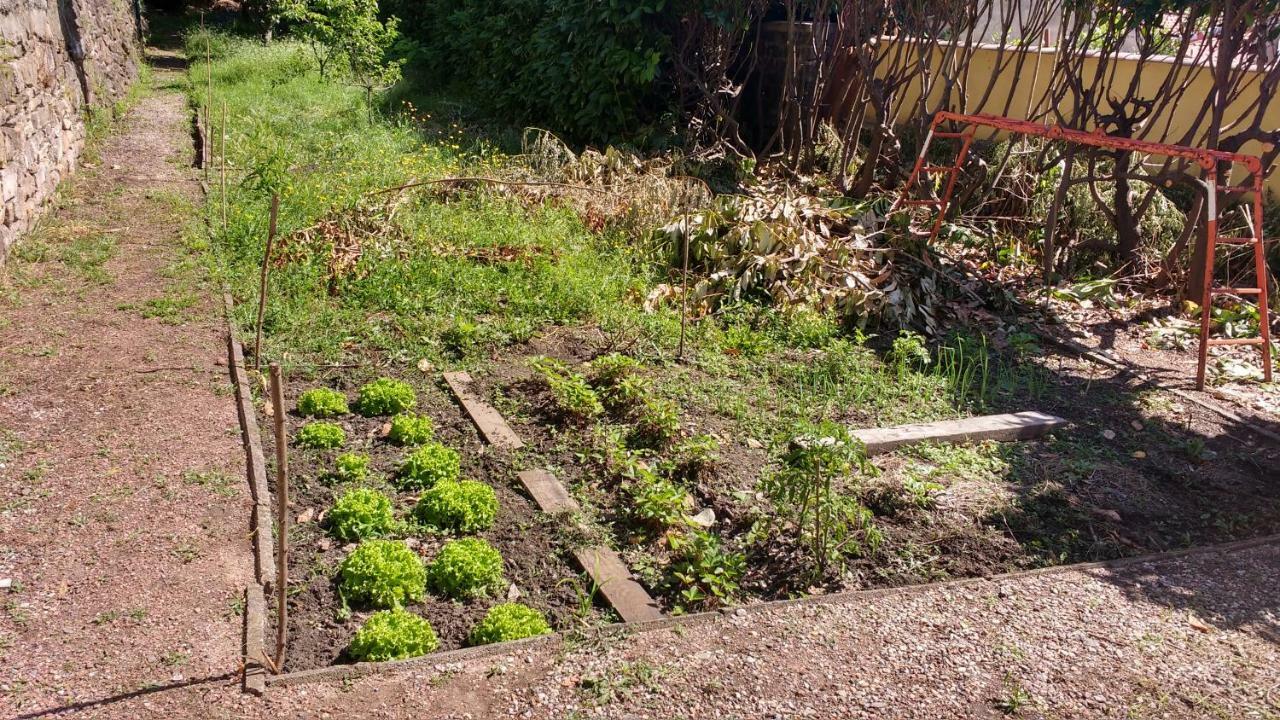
(58, 58)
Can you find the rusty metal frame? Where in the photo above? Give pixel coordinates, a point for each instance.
(1209, 160)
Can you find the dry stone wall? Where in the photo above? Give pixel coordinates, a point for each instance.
(58, 59)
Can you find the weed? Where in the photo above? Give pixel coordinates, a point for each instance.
(704, 575)
(214, 480)
(572, 394)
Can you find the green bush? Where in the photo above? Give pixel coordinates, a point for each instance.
(409, 429)
(393, 635)
(657, 421)
(609, 370)
(385, 396)
(427, 466)
(508, 621)
(462, 506)
(360, 514)
(351, 467)
(321, 436)
(382, 573)
(321, 403)
(465, 568)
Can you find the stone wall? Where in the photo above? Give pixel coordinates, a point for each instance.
(58, 58)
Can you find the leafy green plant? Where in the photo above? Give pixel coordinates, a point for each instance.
(570, 390)
(807, 493)
(469, 567)
(609, 370)
(629, 393)
(348, 34)
(393, 635)
(461, 337)
(322, 403)
(351, 467)
(321, 436)
(656, 503)
(385, 396)
(463, 506)
(360, 514)
(693, 455)
(657, 421)
(909, 352)
(382, 573)
(409, 429)
(704, 574)
(506, 622)
(428, 465)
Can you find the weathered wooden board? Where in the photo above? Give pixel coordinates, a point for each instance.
(547, 491)
(489, 421)
(613, 579)
(1011, 426)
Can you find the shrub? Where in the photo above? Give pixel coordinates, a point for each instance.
(693, 455)
(321, 436)
(385, 396)
(570, 390)
(461, 506)
(429, 465)
(508, 621)
(321, 403)
(393, 635)
(705, 575)
(409, 429)
(351, 467)
(909, 352)
(382, 573)
(360, 514)
(469, 567)
(629, 393)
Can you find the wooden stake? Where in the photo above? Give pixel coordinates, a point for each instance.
(684, 278)
(262, 282)
(208, 105)
(223, 165)
(282, 515)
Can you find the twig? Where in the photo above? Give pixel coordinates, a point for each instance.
(282, 515)
(262, 282)
(223, 166)
(492, 181)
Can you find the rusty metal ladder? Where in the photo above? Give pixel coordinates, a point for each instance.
(1211, 291)
(921, 167)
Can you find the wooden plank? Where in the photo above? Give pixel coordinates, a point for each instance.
(489, 421)
(617, 585)
(1012, 426)
(547, 491)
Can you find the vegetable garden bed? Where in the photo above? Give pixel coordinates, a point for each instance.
(322, 624)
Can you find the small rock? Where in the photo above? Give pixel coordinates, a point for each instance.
(754, 444)
(704, 519)
(1109, 434)
(6, 583)
(325, 544)
(385, 430)
(513, 593)
(1139, 454)
(425, 366)
(307, 516)
(1137, 425)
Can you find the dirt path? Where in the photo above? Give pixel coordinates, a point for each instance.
(122, 501)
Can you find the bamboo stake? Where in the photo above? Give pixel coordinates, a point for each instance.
(223, 164)
(208, 105)
(262, 282)
(282, 515)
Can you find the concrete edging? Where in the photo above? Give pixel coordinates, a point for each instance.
(255, 615)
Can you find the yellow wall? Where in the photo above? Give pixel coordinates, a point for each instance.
(1026, 89)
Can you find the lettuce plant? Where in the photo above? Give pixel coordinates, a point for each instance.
(462, 506)
(322, 403)
(409, 429)
(360, 514)
(321, 436)
(393, 635)
(382, 573)
(428, 465)
(508, 621)
(466, 568)
(385, 396)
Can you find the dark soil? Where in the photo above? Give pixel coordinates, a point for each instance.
(536, 559)
(1137, 471)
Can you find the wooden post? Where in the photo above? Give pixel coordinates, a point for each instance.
(684, 275)
(262, 282)
(223, 165)
(282, 515)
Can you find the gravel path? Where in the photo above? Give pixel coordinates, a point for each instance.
(1194, 637)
